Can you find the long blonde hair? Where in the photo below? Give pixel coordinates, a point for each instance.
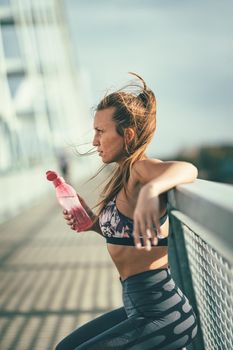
(136, 110)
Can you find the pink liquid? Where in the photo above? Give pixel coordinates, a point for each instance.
(68, 199)
(74, 207)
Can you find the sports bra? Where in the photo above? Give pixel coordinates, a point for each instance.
(118, 228)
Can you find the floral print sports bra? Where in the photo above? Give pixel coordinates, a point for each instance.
(118, 228)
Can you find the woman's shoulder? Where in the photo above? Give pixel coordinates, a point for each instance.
(145, 169)
(145, 164)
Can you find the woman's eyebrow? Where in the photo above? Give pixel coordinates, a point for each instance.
(97, 128)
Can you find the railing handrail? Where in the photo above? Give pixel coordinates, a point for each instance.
(207, 208)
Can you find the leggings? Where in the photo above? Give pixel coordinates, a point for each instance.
(156, 315)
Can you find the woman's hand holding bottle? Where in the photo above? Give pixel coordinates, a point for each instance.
(69, 200)
(70, 219)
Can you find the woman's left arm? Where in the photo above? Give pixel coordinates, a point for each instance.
(162, 176)
(156, 177)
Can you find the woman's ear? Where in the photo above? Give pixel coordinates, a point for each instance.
(129, 135)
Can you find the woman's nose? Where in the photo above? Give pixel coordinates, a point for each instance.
(95, 141)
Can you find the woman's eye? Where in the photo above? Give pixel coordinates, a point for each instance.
(98, 131)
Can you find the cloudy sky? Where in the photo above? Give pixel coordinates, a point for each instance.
(182, 48)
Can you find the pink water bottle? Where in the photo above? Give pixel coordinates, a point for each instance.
(68, 199)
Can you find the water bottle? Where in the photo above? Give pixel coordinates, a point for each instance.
(68, 199)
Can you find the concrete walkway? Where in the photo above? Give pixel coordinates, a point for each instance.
(51, 278)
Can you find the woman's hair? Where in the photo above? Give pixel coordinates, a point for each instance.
(136, 110)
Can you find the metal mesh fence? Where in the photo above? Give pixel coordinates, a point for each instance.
(212, 279)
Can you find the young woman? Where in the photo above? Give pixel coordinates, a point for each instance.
(133, 219)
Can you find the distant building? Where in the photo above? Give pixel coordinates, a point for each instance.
(214, 162)
(42, 106)
(41, 97)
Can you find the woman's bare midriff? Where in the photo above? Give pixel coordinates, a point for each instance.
(130, 261)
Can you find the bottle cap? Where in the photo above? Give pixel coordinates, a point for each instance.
(51, 175)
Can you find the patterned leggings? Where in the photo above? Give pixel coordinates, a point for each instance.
(156, 315)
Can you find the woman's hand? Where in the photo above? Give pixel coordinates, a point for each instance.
(69, 218)
(146, 218)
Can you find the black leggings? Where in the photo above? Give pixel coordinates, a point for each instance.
(156, 315)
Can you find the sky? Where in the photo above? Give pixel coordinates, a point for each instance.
(182, 48)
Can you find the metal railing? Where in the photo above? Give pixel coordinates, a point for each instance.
(201, 249)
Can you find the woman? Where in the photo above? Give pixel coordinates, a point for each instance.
(133, 218)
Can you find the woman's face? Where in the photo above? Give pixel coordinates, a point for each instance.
(109, 143)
